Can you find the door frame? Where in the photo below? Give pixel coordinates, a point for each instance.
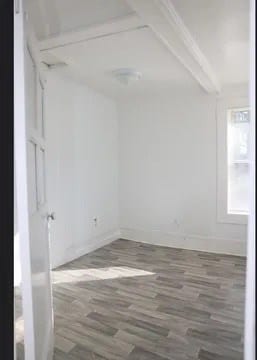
(250, 325)
(20, 158)
(24, 37)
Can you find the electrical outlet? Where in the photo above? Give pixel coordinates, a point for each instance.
(95, 221)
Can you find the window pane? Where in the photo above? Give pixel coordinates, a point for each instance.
(238, 160)
(238, 188)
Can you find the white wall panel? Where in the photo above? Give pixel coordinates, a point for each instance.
(82, 173)
(168, 174)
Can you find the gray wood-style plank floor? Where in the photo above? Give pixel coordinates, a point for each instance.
(136, 301)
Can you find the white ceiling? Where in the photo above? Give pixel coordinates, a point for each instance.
(95, 60)
(52, 17)
(219, 27)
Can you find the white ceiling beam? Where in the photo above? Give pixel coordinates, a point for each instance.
(162, 18)
(118, 25)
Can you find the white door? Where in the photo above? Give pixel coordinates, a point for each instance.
(30, 157)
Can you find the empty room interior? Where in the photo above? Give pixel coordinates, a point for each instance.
(137, 144)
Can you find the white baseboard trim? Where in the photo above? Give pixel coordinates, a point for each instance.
(186, 241)
(93, 243)
(183, 241)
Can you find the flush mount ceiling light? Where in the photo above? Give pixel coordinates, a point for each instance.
(124, 76)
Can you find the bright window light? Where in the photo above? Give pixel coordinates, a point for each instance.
(238, 161)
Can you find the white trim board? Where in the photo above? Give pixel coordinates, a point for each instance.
(94, 244)
(250, 292)
(186, 241)
(175, 240)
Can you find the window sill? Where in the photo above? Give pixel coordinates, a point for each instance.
(240, 218)
(236, 213)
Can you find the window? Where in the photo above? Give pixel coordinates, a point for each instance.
(233, 160)
(238, 161)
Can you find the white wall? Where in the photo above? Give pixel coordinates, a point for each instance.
(82, 168)
(164, 154)
(168, 172)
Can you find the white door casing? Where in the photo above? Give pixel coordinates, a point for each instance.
(30, 156)
(250, 297)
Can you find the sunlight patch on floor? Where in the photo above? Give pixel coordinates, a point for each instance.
(114, 272)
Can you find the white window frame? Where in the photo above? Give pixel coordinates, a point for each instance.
(223, 105)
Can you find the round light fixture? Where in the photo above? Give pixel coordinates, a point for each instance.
(124, 76)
